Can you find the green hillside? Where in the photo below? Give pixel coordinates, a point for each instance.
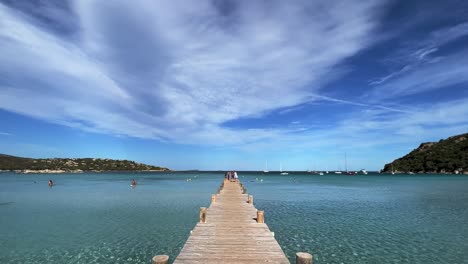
(446, 156)
(8, 162)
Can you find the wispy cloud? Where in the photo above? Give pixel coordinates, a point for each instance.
(418, 69)
(377, 128)
(177, 70)
(5, 134)
(180, 71)
(356, 103)
(437, 74)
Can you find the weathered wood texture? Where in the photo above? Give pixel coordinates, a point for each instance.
(304, 258)
(231, 233)
(160, 259)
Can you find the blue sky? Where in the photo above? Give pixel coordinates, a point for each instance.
(231, 84)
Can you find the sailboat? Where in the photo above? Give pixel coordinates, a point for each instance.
(266, 167)
(346, 166)
(339, 169)
(393, 172)
(281, 170)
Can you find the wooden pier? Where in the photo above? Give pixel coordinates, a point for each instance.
(231, 230)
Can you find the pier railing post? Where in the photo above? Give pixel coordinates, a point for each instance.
(303, 258)
(160, 259)
(213, 198)
(260, 217)
(250, 200)
(202, 214)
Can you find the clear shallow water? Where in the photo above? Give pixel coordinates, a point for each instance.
(99, 218)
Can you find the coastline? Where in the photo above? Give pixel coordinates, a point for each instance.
(61, 171)
(22, 165)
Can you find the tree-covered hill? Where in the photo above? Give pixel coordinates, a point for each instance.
(8, 162)
(446, 156)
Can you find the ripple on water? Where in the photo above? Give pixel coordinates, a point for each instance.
(99, 219)
(350, 233)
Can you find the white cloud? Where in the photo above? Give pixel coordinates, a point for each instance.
(356, 103)
(370, 130)
(177, 70)
(438, 74)
(418, 70)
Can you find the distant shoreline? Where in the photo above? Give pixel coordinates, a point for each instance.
(291, 173)
(72, 165)
(78, 171)
(47, 171)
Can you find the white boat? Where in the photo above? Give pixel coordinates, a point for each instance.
(266, 167)
(338, 172)
(363, 171)
(281, 170)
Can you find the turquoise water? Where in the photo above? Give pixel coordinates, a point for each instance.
(99, 218)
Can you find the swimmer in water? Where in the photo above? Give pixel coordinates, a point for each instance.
(51, 183)
(134, 183)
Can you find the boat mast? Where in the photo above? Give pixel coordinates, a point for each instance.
(346, 162)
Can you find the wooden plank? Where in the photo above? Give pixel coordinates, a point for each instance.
(231, 234)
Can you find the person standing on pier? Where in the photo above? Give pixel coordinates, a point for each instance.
(236, 178)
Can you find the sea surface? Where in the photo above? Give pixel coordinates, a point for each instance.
(99, 218)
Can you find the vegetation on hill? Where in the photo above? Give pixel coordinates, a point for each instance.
(446, 156)
(8, 162)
